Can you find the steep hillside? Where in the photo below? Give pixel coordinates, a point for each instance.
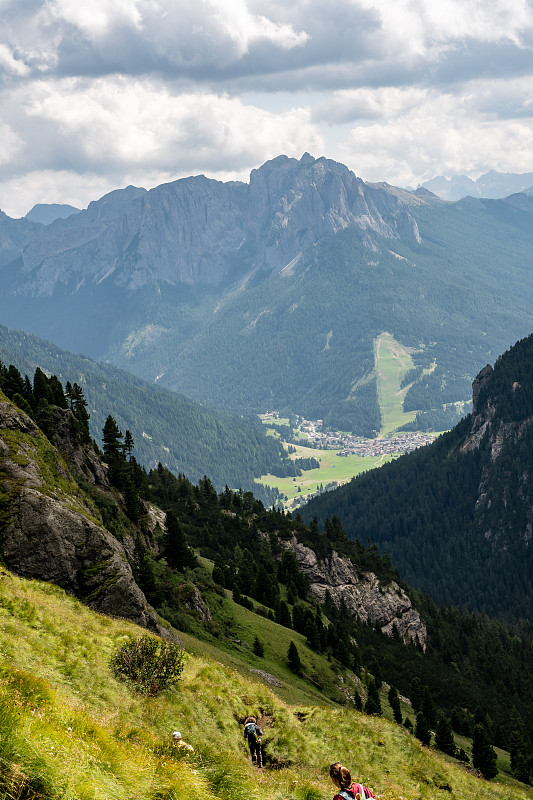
(70, 729)
(271, 294)
(455, 518)
(320, 618)
(51, 529)
(167, 427)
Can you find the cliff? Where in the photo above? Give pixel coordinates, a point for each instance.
(202, 231)
(50, 529)
(383, 607)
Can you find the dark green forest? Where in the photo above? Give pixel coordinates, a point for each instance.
(456, 521)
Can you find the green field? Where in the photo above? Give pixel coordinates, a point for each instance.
(333, 468)
(69, 730)
(392, 361)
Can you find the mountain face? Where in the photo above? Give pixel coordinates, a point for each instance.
(271, 294)
(383, 608)
(46, 213)
(198, 231)
(50, 531)
(456, 517)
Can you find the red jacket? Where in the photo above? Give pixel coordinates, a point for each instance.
(355, 791)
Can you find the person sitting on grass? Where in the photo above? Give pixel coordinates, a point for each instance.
(343, 780)
(181, 746)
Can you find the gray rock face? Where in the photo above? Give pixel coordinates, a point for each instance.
(50, 533)
(201, 231)
(383, 608)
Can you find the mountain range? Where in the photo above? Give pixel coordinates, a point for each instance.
(492, 184)
(270, 294)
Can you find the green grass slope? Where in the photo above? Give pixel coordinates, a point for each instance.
(68, 729)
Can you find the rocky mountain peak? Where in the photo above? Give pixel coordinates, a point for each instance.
(199, 231)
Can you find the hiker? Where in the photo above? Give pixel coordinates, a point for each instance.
(253, 733)
(180, 745)
(343, 780)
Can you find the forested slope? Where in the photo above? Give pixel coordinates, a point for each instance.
(168, 428)
(455, 517)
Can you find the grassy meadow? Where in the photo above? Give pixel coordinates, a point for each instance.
(69, 730)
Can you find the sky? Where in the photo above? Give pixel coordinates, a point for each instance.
(99, 94)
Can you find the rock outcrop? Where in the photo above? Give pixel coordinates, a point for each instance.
(51, 532)
(383, 607)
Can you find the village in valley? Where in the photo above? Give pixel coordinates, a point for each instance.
(313, 435)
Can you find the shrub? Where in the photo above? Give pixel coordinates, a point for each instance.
(148, 664)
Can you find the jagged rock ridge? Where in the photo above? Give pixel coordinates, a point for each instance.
(201, 231)
(381, 607)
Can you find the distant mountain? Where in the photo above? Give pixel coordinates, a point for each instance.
(493, 184)
(456, 517)
(271, 294)
(46, 213)
(167, 427)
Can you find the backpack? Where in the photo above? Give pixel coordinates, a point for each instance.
(250, 731)
(359, 792)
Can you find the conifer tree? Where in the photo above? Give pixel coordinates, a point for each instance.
(483, 755)
(373, 702)
(293, 659)
(422, 731)
(113, 450)
(258, 647)
(284, 615)
(177, 552)
(444, 740)
(394, 702)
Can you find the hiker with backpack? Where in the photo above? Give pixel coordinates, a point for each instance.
(253, 733)
(343, 780)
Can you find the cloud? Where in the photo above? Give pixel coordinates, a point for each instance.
(140, 131)
(443, 135)
(141, 90)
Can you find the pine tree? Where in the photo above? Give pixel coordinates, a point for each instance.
(113, 450)
(373, 702)
(394, 702)
(483, 755)
(177, 552)
(444, 740)
(422, 731)
(283, 616)
(258, 647)
(416, 693)
(428, 707)
(128, 444)
(293, 659)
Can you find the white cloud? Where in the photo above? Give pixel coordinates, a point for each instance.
(141, 90)
(10, 64)
(442, 136)
(140, 132)
(117, 120)
(95, 17)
